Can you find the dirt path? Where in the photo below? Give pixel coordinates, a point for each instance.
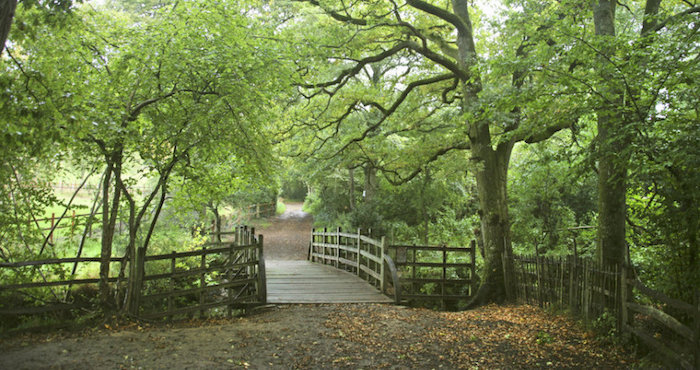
(329, 336)
(287, 236)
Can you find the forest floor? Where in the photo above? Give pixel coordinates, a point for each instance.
(324, 336)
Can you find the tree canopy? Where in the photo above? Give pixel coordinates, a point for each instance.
(534, 126)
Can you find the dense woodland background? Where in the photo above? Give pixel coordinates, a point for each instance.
(534, 127)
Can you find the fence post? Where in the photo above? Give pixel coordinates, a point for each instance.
(202, 280)
(337, 247)
(572, 270)
(172, 285)
(310, 257)
(324, 240)
(229, 310)
(381, 265)
(472, 272)
(262, 278)
(444, 277)
(358, 251)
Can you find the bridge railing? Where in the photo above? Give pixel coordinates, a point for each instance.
(358, 254)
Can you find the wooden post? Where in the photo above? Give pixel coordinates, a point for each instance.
(202, 280)
(257, 210)
(310, 255)
(324, 239)
(172, 285)
(337, 247)
(381, 265)
(229, 310)
(472, 268)
(358, 252)
(572, 271)
(262, 278)
(444, 277)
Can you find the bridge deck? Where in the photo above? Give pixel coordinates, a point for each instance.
(307, 282)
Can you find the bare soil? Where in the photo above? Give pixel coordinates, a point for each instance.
(287, 236)
(346, 336)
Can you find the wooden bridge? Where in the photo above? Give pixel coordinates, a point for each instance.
(308, 282)
(347, 267)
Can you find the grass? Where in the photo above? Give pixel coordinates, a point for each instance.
(281, 207)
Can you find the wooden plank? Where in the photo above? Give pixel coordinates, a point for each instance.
(659, 347)
(200, 252)
(446, 281)
(369, 240)
(54, 283)
(307, 282)
(370, 272)
(663, 318)
(371, 256)
(54, 261)
(688, 308)
(177, 293)
(433, 248)
(432, 264)
(435, 296)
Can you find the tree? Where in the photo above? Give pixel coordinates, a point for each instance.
(624, 95)
(141, 95)
(447, 74)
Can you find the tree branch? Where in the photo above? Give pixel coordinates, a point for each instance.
(402, 180)
(440, 13)
(404, 94)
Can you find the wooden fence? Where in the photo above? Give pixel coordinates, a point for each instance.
(666, 325)
(17, 295)
(230, 275)
(355, 253)
(431, 275)
(262, 209)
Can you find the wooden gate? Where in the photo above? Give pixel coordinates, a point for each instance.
(223, 275)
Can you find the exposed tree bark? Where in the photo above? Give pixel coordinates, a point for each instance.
(614, 138)
(217, 223)
(370, 182)
(351, 175)
(491, 178)
(612, 158)
(7, 14)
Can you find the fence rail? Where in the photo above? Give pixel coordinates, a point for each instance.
(435, 274)
(668, 326)
(230, 274)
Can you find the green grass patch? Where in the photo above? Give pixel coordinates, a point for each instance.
(281, 207)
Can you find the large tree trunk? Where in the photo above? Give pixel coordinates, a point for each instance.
(613, 161)
(7, 13)
(491, 182)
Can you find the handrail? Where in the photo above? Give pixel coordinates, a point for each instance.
(352, 252)
(394, 278)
